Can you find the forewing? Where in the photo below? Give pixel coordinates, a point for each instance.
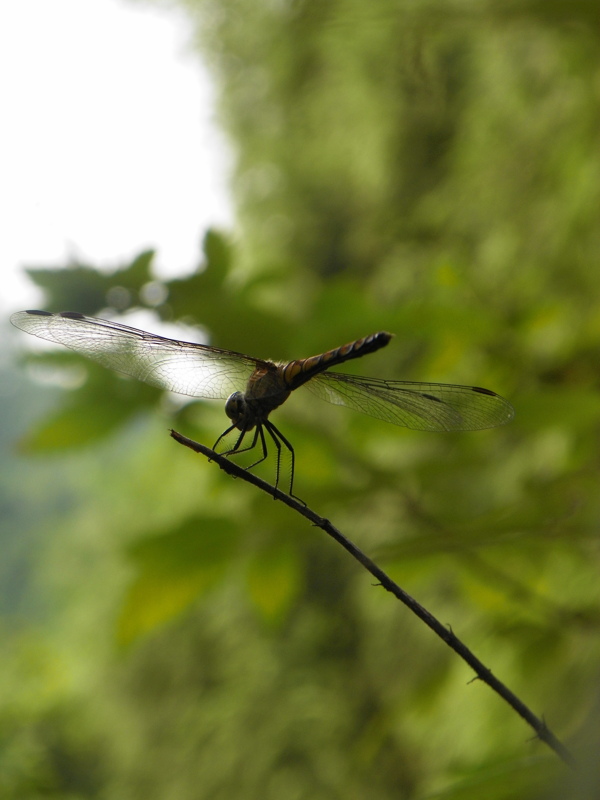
(183, 367)
(420, 406)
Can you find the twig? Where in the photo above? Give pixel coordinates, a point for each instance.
(539, 726)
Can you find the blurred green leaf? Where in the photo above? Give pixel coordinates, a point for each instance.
(275, 578)
(81, 287)
(223, 305)
(98, 408)
(173, 570)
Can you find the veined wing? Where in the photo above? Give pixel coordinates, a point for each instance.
(183, 367)
(420, 406)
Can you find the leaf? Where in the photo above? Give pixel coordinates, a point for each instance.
(173, 570)
(81, 287)
(103, 404)
(274, 580)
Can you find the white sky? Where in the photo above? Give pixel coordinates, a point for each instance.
(107, 140)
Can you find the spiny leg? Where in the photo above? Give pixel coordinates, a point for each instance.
(237, 449)
(237, 446)
(224, 434)
(280, 439)
(272, 432)
(277, 437)
(259, 432)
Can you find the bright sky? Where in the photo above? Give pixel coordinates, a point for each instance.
(107, 144)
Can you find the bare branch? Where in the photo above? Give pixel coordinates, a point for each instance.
(446, 634)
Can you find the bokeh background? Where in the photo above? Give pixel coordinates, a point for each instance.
(431, 169)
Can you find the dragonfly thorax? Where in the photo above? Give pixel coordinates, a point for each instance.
(265, 392)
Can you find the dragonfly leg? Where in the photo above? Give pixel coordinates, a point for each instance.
(223, 435)
(270, 428)
(263, 444)
(279, 440)
(237, 448)
(233, 451)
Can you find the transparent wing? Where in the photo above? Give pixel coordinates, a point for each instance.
(421, 406)
(192, 369)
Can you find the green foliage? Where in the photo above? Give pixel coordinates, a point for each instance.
(92, 411)
(173, 570)
(431, 169)
(80, 286)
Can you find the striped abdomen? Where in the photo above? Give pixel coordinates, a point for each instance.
(298, 372)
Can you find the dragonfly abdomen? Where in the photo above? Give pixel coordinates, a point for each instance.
(298, 372)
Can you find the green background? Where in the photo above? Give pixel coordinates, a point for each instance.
(427, 168)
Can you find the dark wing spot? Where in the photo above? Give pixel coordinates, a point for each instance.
(71, 315)
(40, 313)
(484, 391)
(431, 397)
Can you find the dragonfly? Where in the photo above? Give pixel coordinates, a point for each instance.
(253, 387)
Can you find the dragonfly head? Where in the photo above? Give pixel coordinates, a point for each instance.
(237, 410)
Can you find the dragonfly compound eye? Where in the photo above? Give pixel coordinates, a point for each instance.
(235, 407)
